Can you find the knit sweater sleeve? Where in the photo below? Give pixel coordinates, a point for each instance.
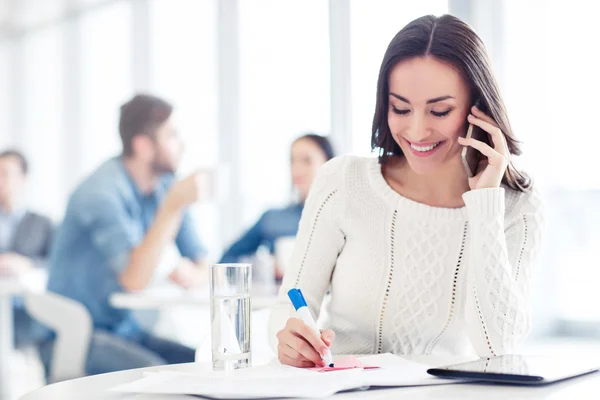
(318, 243)
(503, 248)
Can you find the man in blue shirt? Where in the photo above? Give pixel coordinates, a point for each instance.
(117, 225)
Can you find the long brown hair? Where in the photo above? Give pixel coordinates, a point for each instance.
(452, 41)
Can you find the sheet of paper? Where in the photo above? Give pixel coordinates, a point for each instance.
(253, 383)
(280, 381)
(396, 371)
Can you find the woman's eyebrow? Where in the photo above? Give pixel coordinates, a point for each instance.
(430, 101)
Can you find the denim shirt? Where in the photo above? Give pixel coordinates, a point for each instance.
(272, 225)
(106, 217)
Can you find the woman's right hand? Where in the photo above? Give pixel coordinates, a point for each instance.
(299, 345)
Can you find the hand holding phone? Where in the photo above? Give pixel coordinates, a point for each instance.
(494, 148)
(469, 155)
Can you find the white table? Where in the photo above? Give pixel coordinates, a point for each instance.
(9, 287)
(156, 299)
(175, 304)
(96, 387)
(13, 286)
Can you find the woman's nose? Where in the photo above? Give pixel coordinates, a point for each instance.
(418, 130)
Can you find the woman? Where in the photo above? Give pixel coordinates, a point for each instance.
(308, 154)
(419, 258)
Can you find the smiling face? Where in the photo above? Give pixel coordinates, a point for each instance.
(428, 107)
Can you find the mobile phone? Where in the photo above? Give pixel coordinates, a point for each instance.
(469, 155)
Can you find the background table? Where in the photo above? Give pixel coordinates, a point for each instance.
(184, 316)
(159, 299)
(9, 286)
(96, 387)
(12, 286)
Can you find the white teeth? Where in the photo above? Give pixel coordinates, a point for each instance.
(424, 148)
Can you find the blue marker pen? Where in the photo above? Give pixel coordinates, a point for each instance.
(299, 303)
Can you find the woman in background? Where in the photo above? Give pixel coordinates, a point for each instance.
(308, 154)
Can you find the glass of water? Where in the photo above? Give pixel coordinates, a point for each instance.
(230, 315)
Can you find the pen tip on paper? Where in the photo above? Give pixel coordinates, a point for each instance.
(331, 365)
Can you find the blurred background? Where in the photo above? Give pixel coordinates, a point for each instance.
(248, 76)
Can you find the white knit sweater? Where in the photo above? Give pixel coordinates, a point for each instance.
(408, 278)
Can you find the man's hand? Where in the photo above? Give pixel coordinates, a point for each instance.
(183, 193)
(190, 275)
(14, 264)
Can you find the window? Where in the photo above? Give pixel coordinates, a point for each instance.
(6, 133)
(373, 25)
(106, 80)
(42, 119)
(36, 13)
(284, 93)
(550, 65)
(183, 71)
(86, 4)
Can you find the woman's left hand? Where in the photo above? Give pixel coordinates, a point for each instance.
(491, 170)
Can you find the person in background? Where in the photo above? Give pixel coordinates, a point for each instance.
(308, 153)
(117, 225)
(25, 238)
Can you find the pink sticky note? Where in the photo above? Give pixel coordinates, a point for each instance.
(348, 362)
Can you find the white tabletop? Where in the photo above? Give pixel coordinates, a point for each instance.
(161, 299)
(10, 286)
(96, 387)
(13, 285)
